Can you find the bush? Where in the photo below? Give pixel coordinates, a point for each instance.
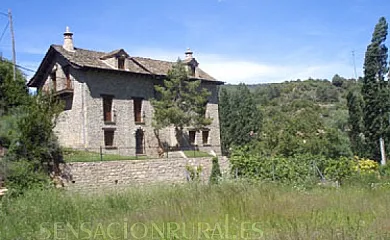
(297, 169)
(215, 171)
(23, 176)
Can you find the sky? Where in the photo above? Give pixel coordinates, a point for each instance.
(249, 41)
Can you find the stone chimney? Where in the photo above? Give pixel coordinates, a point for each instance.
(189, 54)
(68, 40)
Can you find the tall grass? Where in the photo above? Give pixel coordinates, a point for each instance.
(232, 209)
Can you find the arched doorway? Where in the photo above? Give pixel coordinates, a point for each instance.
(139, 141)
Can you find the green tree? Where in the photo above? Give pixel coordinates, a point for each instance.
(245, 116)
(355, 120)
(225, 119)
(181, 102)
(215, 174)
(375, 90)
(12, 93)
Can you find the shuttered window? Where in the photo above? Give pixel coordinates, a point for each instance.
(107, 108)
(137, 110)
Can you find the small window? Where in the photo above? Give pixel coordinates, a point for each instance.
(192, 70)
(191, 136)
(137, 110)
(53, 77)
(108, 138)
(68, 102)
(107, 108)
(121, 63)
(205, 137)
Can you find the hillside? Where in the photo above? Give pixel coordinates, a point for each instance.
(296, 112)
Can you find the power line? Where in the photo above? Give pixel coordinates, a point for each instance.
(5, 29)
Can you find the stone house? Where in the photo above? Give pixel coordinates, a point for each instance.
(107, 100)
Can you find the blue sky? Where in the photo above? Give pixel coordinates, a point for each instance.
(250, 41)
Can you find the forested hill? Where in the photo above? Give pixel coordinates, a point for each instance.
(309, 116)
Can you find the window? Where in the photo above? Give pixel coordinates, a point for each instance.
(53, 77)
(121, 63)
(205, 137)
(138, 110)
(107, 108)
(108, 138)
(67, 76)
(191, 136)
(68, 102)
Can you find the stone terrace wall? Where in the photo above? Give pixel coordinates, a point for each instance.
(96, 175)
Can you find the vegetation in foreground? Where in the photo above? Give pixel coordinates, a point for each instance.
(243, 209)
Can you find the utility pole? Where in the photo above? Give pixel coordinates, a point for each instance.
(13, 41)
(354, 64)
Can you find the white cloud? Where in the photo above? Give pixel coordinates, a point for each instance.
(234, 70)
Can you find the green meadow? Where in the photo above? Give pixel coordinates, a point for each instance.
(229, 210)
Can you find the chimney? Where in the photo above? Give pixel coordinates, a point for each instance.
(189, 54)
(68, 40)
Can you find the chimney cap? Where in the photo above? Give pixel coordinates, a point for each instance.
(189, 53)
(67, 31)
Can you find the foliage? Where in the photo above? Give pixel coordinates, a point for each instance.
(12, 93)
(296, 169)
(339, 169)
(319, 213)
(194, 172)
(375, 90)
(224, 109)
(356, 134)
(215, 174)
(23, 176)
(241, 120)
(365, 166)
(181, 102)
(26, 130)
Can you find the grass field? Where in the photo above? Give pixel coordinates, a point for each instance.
(71, 155)
(226, 211)
(196, 154)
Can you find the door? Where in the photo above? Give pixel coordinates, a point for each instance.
(139, 142)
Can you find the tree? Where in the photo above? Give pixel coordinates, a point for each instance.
(226, 121)
(12, 93)
(355, 120)
(181, 102)
(245, 116)
(375, 90)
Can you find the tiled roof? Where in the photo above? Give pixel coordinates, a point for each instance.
(93, 59)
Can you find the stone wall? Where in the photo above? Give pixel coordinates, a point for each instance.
(111, 174)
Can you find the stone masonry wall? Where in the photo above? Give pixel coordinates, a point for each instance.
(111, 174)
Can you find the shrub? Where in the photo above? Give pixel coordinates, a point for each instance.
(364, 166)
(194, 172)
(24, 176)
(215, 171)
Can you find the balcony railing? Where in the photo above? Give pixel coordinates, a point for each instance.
(64, 89)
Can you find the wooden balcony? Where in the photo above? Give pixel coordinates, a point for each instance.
(65, 90)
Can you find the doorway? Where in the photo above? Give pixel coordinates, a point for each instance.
(139, 142)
